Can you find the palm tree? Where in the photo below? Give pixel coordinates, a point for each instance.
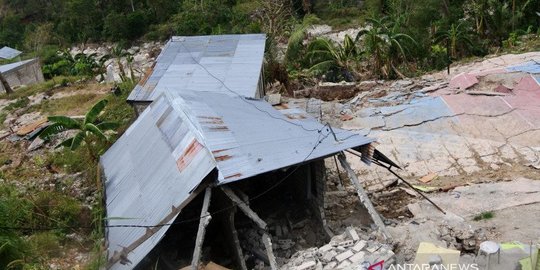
(87, 128)
(384, 41)
(325, 55)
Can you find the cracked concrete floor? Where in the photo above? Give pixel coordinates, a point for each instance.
(457, 135)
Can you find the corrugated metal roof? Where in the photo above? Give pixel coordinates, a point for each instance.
(9, 53)
(178, 140)
(248, 137)
(234, 59)
(9, 67)
(150, 171)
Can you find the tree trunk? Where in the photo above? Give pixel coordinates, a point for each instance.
(5, 84)
(513, 15)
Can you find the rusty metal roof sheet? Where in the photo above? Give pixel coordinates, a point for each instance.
(178, 140)
(248, 137)
(234, 59)
(9, 53)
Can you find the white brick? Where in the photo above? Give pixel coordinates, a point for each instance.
(343, 264)
(330, 265)
(325, 248)
(373, 248)
(359, 246)
(346, 244)
(352, 234)
(329, 256)
(358, 257)
(307, 265)
(345, 255)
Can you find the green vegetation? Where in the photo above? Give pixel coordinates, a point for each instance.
(484, 216)
(327, 57)
(399, 37)
(40, 210)
(90, 130)
(26, 206)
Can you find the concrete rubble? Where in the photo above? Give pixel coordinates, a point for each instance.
(352, 249)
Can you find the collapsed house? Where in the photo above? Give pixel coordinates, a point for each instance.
(25, 72)
(200, 164)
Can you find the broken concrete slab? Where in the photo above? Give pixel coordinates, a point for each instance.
(478, 198)
(463, 81)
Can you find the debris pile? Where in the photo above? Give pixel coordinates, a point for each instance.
(351, 250)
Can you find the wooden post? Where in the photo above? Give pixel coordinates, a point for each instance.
(362, 195)
(203, 222)
(244, 207)
(238, 249)
(5, 84)
(269, 251)
(253, 216)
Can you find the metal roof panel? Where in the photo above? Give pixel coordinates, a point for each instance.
(194, 63)
(9, 53)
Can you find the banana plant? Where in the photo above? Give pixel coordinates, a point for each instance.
(325, 55)
(88, 128)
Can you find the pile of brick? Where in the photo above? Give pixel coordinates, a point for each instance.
(345, 251)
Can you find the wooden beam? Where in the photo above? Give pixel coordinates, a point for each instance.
(244, 207)
(203, 222)
(236, 242)
(269, 251)
(362, 195)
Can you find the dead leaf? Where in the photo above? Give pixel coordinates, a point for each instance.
(428, 177)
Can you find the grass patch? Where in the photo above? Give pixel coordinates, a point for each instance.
(118, 110)
(45, 244)
(25, 248)
(71, 105)
(20, 103)
(484, 216)
(70, 161)
(40, 87)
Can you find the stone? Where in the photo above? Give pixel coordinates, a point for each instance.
(401, 83)
(352, 234)
(37, 143)
(274, 99)
(359, 246)
(345, 255)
